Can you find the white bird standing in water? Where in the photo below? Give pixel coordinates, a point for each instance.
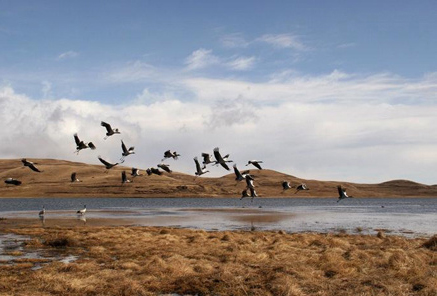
(256, 163)
(109, 130)
(342, 193)
(199, 170)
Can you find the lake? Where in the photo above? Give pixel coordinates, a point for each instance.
(402, 216)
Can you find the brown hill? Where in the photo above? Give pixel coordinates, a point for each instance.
(54, 181)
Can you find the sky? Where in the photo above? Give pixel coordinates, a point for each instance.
(327, 90)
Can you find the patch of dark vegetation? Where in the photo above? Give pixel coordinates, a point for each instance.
(330, 273)
(418, 287)
(431, 243)
(60, 242)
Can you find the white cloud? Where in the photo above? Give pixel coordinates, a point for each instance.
(336, 126)
(201, 58)
(242, 63)
(67, 55)
(283, 41)
(234, 41)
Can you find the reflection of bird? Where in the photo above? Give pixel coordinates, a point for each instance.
(31, 165)
(169, 154)
(74, 177)
(124, 178)
(109, 130)
(300, 187)
(342, 193)
(238, 175)
(82, 211)
(82, 145)
(199, 170)
(12, 181)
(42, 212)
(126, 151)
(207, 158)
(221, 160)
(107, 164)
(285, 185)
(256, 163)
(135, 172)
(165, 167)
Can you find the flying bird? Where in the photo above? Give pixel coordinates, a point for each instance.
(244, 194)
(256, 163)
(126, 151)
(169, 154)
(249, 181)
(300, 187)
(135, 172)
(31, 165)
(238, 175)
(199, 170)
(221, 160)
(82, 211)
(107, 164)
(285, 185)
(109, 130)
(207, 158)
(82, 145)
(124, 178)
(342, 193)
(165, 167)
(74, 177)
(12, 181)
(153, 171)
(42, 212)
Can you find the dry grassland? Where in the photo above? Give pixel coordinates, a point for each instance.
(162, 261)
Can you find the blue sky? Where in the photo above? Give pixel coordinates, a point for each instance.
(345, 90)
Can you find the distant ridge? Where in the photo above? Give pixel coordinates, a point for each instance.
(55, 182)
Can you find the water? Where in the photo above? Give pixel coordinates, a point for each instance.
(406, 216)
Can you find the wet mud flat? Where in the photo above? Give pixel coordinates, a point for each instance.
(139, 260)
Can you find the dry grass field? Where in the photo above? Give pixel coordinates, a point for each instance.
(166, 261)
(54, 181)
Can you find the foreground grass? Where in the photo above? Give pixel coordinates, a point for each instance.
(156, 261)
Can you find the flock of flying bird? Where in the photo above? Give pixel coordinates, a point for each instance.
(208, 159)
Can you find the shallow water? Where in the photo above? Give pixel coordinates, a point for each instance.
(406, 216)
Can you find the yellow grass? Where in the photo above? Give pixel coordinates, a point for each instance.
(160, 261)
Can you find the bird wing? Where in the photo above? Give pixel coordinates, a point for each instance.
(225, 165)
(103, 161)
(217, 155)
(123, 147)
(198, 169)
(91, 145)
(206, 158)
(168, 154)
(237, 172)
(73, 177)
(107, 126)
(123, 177)
(34, 168)
(253, 192)
(257, 165)
(340, 190)
(76, 139)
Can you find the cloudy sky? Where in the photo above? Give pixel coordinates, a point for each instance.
(330, 90)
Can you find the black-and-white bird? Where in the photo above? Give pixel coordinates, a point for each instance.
(238, 175)
(249, 182)
(108, 165)
(300, 187)
(207, 158)
(285, 185)
(74, 177)
(126, 151)
(109, 130)
(253, 193)
(12, 181)
(199, 170)
(155, 171)
(256, 163)
(244, 194)
(42, 212)
(169, 154)
(31, 165)
(342, 193)
(82, 211)
(135, 172)
(221, 160)
(124, 178)
(165, 167)
(82, 145)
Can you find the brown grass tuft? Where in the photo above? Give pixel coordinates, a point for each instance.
(431, 243)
